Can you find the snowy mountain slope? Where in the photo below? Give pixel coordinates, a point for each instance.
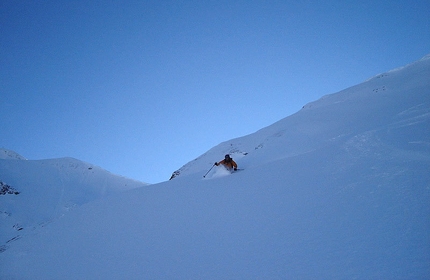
(8, 154)
(339, 190)
(388, 99)
(48, 189)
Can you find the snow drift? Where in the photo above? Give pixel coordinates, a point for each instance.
(339, 190)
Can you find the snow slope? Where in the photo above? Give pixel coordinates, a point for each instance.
(8, 154)
(339, 190)
(48, 189)
(384, 101)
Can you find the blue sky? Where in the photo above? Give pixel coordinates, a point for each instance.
(142, 87)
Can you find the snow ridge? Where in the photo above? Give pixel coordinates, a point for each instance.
(332, 117)
(8, 154)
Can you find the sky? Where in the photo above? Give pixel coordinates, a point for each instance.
(140, 88)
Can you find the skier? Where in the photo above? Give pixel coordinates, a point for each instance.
(228, 163)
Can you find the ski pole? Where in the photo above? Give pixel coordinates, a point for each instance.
(208, 171)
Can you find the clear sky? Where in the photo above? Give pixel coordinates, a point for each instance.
(142, 87)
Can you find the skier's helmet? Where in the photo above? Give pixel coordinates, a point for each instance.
(227, 156)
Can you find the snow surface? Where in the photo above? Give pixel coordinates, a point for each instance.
(339, 190)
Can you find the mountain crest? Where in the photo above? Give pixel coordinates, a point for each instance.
(8, 154)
